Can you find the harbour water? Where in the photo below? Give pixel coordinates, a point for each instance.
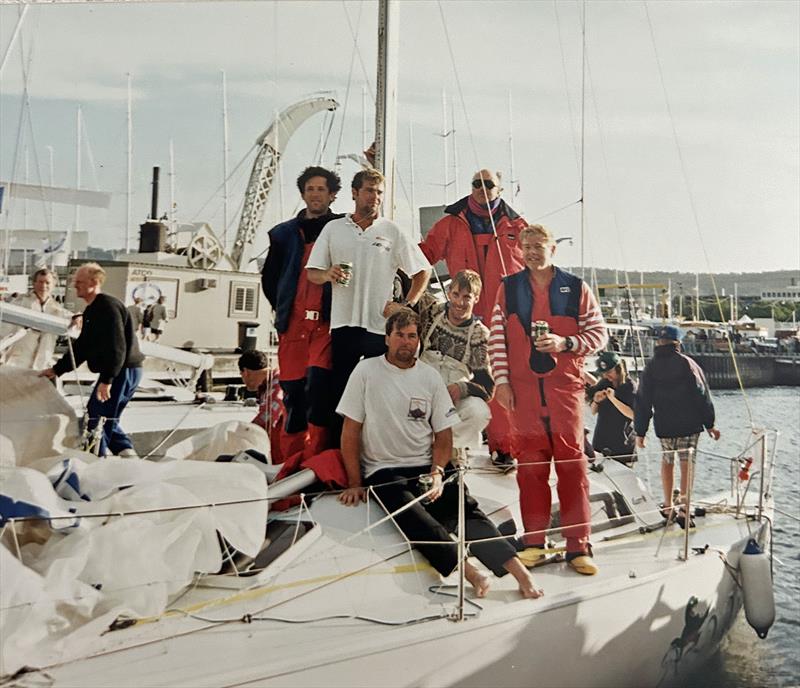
(744, 660)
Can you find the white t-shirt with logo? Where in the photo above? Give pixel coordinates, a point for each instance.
(400, 408)
(376, 253)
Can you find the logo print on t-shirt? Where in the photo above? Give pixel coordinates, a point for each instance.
(418, 409)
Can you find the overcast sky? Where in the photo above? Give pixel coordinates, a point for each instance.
(710, 158)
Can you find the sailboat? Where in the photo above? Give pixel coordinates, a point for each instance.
(150, 574)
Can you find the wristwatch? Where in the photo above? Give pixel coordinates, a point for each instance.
(569, 343)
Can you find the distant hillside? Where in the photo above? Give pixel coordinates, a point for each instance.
(749, 283)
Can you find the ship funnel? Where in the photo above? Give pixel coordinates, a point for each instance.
(153, 234)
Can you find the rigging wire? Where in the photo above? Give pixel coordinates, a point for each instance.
(693, 207)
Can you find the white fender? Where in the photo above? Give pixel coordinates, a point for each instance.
(759, 599)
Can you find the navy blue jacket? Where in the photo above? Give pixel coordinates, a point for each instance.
(282, 270)
(565, 295)
(673, 391)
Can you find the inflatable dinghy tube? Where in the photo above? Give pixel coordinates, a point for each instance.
(759, 599)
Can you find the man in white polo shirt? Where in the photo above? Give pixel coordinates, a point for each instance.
(375, 248)
(398, 427)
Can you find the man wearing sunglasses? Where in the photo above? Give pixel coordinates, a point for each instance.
(480, 232)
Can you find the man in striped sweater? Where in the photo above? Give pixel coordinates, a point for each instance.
(538, 378)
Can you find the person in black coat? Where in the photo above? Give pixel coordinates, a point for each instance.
(109, 346)
(674, 392)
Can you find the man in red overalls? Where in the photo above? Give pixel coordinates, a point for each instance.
(539, 381)
(302, 317)
(480, 233)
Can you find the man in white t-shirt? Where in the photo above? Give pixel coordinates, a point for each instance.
(361, 297)
(398, 417)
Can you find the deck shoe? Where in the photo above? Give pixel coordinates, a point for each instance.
(582, 563)
(532, 556)
(680, 519)
(504, 461)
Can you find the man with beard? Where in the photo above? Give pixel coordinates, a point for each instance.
(302, 316)
(398, 420)
(480, 232)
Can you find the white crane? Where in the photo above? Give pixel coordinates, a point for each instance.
(270, 147)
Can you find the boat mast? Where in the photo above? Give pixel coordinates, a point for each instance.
(128, 196)
(171, 213)
(386, 98)
(583, 136)
(68, 241)
(224, 161)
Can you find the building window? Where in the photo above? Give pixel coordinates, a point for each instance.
(243, 300)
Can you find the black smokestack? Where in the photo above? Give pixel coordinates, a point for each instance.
(154, 202)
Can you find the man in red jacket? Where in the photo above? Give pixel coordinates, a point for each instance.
(480, 233)
(539, 378)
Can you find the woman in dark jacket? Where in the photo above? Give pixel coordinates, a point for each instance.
(612, 402)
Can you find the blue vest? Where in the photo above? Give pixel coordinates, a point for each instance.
(288, 237)
(565, 295)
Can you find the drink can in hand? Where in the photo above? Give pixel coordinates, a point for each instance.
(424, 483)
(347, 268)
(540, 327)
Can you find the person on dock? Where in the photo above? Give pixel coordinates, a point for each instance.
(456, 343)
(35, 350)
(673, 392)
(479, 232)
(155, 317)
(611, 400)
(359, 256)
(302, 316)
(398, 420)
(109, 346)
(137, 315)
(545, 322)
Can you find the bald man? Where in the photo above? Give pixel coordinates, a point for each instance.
(480, 232)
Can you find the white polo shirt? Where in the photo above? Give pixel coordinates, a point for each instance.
(376, 253)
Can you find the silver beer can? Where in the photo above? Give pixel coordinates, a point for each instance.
(347, 268)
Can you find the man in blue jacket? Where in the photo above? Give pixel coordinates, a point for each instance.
(302, 316)
(674, 392)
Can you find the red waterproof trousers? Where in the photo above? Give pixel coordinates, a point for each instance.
(547, 426)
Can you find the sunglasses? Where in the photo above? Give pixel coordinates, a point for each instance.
(488, 183)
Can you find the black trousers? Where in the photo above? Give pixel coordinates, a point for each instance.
(396, 487)
(348, 346)
(308, 400)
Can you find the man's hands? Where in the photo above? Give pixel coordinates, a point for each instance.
(391, 307)
(49, 373)
(505, 396)
(550, 343)
(714, 433)
(436, 489)
(103, 391)
(640, 442)
(353, 495)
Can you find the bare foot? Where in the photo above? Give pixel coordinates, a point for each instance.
(478, 580)
(527, 588)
